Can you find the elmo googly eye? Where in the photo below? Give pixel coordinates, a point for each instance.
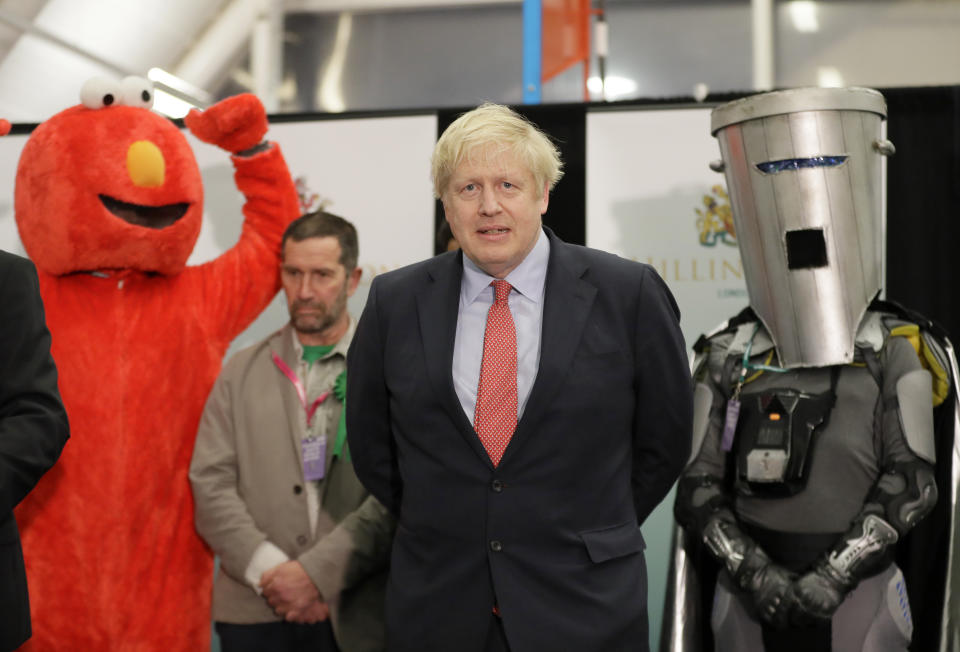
(100, 92)
(136, 91)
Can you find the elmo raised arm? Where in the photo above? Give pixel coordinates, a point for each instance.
(108, 204)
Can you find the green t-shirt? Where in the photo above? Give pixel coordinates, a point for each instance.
(313, 353)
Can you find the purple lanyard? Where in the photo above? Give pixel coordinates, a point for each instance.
(301, 390)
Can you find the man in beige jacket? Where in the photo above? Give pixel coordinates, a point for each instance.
(303, 547)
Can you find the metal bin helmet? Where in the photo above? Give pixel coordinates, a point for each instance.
(804, 178)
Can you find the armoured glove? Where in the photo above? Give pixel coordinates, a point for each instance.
(862, 550)
(817, 594)
(769, 585)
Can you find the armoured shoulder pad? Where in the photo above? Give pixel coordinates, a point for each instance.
(705, 345)
(934, 357)
(872, 332)
(716, 356)
(930, 351)
(697, 362)
(915, 399)
(732, 343)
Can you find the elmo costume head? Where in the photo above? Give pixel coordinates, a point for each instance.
(108, 184)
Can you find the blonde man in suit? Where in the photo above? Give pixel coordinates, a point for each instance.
(526, 405)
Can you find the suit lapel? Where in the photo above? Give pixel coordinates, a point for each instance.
(567, 302)
(438, 303)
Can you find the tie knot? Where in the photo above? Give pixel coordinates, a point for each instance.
(501, 290)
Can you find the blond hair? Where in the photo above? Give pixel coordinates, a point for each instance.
(498, 125)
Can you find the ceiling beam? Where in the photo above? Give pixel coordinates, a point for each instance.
(336, 6)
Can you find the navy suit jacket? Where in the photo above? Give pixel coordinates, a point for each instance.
(552, 534)
(33, 427)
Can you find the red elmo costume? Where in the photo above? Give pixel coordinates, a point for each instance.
(108, 204)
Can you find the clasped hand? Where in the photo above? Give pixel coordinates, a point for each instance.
(815, 597)
(783, 598)
(292, 595)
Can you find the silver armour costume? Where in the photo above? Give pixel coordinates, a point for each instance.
(815, 444)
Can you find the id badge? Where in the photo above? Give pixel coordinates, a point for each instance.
(730, 424)
(314, 451)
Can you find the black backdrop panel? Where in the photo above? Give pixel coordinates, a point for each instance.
(923, 201)
(567, 126)
(923, 232)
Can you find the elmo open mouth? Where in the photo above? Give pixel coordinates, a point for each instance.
(152, 217)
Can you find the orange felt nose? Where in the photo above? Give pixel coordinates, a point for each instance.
(145, 164)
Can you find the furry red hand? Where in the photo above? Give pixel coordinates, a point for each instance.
(234, 124)
(4, 127)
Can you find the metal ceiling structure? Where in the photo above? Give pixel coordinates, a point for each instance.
(383, 54)
(48, 48)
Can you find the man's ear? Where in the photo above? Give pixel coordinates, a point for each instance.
(354, 280)
(545, 199)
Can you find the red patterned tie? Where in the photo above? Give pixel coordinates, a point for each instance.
(496, 415)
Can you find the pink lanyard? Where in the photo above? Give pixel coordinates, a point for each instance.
(301, 390)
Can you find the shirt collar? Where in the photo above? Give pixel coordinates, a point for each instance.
(341, 347)
(528, 278)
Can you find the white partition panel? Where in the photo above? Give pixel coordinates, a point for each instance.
(652, 197)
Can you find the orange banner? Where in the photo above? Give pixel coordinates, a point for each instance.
(565, 35)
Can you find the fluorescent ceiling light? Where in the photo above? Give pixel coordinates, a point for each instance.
(616, 87)
(161, 76)
(170, 105)
(174, 97)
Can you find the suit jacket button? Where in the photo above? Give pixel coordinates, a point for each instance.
(497, 486)
(297, 489)
(302, 540)
(496, 546)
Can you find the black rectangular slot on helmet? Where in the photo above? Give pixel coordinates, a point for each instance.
(806, 249)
